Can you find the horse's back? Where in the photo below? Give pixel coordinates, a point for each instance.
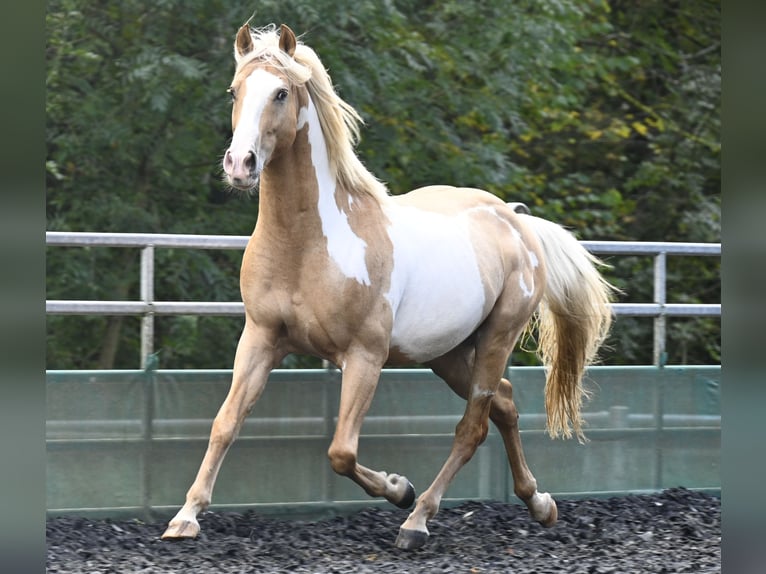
(446, 198)
(497, 230)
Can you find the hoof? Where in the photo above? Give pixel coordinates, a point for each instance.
(543, 509)
(410, 539)
(552, 517)
(408, 498)
(181, 529)
(519, 208)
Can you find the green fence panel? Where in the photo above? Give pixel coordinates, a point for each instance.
(130, 442)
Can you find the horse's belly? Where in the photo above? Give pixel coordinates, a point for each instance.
(437, 294)
(424, 332)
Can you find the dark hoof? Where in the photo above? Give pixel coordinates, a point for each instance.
(408, 498)
(410, 539)
(520, 208)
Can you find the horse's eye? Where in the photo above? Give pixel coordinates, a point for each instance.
(281, 95)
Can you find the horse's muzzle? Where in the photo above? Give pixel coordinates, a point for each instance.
(241, 170)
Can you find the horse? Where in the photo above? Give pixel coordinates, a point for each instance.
(339, 268)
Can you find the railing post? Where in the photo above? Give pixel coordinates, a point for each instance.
(147, 297)
(660, 297)
(660, 326)
(331, 379)
(147, 434)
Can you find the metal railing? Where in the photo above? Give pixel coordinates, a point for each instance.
(147, 308)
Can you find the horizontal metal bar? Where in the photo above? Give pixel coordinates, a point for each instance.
(221, 308)
(668, 309)
(651, 248)
(374, 425)
(711, 426)
(179, 240)
(62, 238)
(194, 308)
(60, 307)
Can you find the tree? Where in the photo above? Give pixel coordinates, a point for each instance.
(602, 116)
(136, 107)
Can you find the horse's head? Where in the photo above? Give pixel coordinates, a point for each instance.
(266, 103)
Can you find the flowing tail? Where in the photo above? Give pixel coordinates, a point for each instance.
(573, 319)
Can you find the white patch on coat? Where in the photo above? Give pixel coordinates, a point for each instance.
(260, 88)
(436, 292)
(303, 118)
(493, 211)
(477, 392)
(345, 247)
(527, 291)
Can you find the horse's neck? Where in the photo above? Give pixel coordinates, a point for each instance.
(299, 194)
(287, 204)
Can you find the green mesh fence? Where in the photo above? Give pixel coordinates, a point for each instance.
(129, 443)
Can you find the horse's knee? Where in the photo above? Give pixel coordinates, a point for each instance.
(481, 432)
(223, 432)
(503, 412)
(474, 425)
(342, 460)
(471, 433)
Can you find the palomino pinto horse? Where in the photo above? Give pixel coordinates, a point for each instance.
(443, 276)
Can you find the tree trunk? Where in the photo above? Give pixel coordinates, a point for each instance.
(110, 344)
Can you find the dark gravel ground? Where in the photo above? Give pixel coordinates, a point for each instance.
(674, 531)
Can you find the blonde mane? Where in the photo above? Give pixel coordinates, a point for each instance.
(339, 121)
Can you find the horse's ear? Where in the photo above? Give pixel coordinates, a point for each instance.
(287, 41)
(243, 44)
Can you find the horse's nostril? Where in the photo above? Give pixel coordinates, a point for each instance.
(228, 161)
(250, 161)
(239, 167)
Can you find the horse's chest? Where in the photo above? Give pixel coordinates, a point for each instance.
(314, 310)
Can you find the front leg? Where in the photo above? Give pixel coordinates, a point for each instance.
(253, 362)
(360, 378)
(469, 434)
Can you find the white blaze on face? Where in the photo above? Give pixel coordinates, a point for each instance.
(259, 90)
(345, 247)
(436, 293)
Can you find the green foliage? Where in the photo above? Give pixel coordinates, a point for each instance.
(602, 116)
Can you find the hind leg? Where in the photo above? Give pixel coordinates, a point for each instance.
(455, 368)
(479, 388)
(504, 415)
